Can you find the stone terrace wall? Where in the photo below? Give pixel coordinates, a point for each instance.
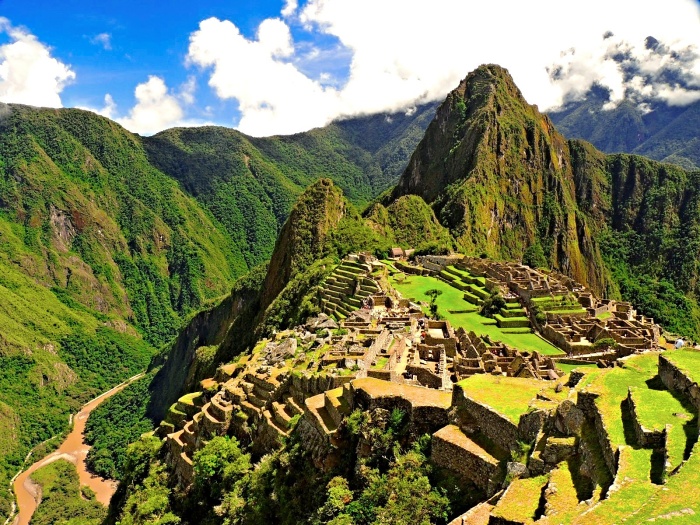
(645, 438)
(498, 428)
(677, 381)
(586, 402)
(426, 408)
(425, 377)
(449, 452)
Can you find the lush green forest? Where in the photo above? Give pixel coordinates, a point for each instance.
(63, 500)
(393, 483)
(114, 424)
(110, 242)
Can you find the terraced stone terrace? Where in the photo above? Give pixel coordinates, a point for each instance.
(347, 288)
(460, 313)
(510, 396)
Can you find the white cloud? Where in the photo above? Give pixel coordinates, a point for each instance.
(274, 96)
(155, 108)
(103, 39)
(28, 72)
(406, 51)
(290, 7)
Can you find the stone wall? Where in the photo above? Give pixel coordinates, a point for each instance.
(677, 381)
(497, 427)
(646, 438)
(304, 386)
(586, 402)
(451, 449)
(425, 377)
(316, 442)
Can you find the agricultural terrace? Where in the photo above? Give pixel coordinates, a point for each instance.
(453, 307)
(510, 396)
(687, 360)
(642, 471)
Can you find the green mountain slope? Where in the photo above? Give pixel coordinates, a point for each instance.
(250, 184)
(666, 133)
(109, 241)
(497, 174)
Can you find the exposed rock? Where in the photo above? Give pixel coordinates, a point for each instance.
(569, 418)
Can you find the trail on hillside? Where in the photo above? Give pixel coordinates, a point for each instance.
(73, 449)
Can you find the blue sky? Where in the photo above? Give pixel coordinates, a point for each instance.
(271, 67)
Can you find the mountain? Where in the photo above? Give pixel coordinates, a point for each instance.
(499, 176)
(250, 184)
(507, 184)
(655, 129)
(110, 242)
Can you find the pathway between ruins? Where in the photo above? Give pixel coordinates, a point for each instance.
(75, 450)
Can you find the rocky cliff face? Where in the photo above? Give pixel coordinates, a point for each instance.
(500, 177)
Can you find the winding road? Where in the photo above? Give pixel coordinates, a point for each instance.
(73, 449)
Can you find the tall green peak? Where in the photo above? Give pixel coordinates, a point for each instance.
(499, 176)
(304, 236)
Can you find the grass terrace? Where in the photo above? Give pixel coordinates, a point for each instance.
(567, 369)
(653, 410)
(520, 502)
(641, 471)
(451, 301)
(490, 390)
(686, 359)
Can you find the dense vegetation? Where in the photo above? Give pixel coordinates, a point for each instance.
(113, 425)
(63, 500)
(96, 239)
(250, 184)
(393, 483)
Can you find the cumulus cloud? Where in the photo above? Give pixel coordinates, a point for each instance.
(273, 95)
(156, 108)
(28, 72)
(290, 7)
(404, 52)
(103, 39)
(644, 72)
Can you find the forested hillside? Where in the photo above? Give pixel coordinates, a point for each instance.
(655, 130)
(249, 184)
(109, 241)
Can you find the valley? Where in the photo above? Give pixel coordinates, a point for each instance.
(74, 450)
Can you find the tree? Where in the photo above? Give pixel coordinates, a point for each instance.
(492, 305)
(534, 256)
(219, 465)
(434, 294)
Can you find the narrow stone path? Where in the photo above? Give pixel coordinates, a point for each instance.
(72, 449)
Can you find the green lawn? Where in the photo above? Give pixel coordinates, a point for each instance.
(490, 390)
(414, 287)
(519, 503)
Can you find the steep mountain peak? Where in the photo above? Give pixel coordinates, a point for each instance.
(499, 176)
(484, 124)
(303, 237)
